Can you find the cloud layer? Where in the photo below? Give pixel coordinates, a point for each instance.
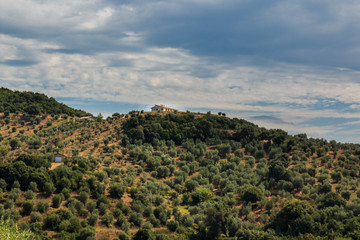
(282, 64)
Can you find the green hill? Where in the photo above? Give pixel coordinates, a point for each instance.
(33, 103)
(183, 175)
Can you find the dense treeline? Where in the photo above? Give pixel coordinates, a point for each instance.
(176, 176)
(33, 103)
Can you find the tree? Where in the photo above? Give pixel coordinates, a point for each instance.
(294, 218)
(143, 234)
(99, 118)
(33, 109)
(49, 188)
(172, 225)
(117, 190)
(86, 233)
(252, 194)
(29, 195)
(191, 185)
(93, 218)
(123, 236)
(214, 222)
(83, 197)
(14, 143)
(136, 219)
(35, 217)
(107, 220)
(56, 200)
(42, 206)
(27, 207)
(331, 199)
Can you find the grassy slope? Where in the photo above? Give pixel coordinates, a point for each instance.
(10, 231)
(74, 139)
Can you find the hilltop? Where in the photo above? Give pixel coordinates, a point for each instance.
(33, 104)
(180, 175)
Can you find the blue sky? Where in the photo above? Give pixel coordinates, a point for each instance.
(283, 64)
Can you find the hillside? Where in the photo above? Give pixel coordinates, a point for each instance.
(148, 175)
(33, 104)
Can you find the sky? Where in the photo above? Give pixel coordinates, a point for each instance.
(285, 64)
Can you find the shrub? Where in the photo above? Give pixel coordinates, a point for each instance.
(123, 236)
(9, 230)
(295, 218)
(117, 190)
(29, 195)
(35, 217)
(143, 234)
(33, 187)
(252, 194)
(86, 233)
(331, 199)
(172, 225)
(27, 207)
(103, 208)
(93, 218)
(107, 220)
(91, 206)
(56, 200)
(83, 197)
(49, 188)
(42, 206)
(136, 219)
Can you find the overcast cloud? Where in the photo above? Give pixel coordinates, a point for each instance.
(282, 64)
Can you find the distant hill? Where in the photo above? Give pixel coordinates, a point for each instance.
(34, 103)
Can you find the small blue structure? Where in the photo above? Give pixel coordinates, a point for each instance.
(59, 158)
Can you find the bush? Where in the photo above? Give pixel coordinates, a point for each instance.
(136, 219)
(252, 194)
(83, 197)
(143, 234)
(93, 218)
(123, 236)
(191, 185)
(56, 200)
(42, 206)
(331, 199)
(294, 218)
(187, 220)
(103, 208)
(49, 188)
(117, 190)
(33, 187)
(172, 225)
(27, 207)
(107, 220)
(86, 233)
(9, 230)
(35, 217)
(29, 195)
(91, 206)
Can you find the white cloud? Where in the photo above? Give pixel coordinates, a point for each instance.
(96, 21)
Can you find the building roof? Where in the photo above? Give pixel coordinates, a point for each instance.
(157, 105)
(87, 117)
(59, 155)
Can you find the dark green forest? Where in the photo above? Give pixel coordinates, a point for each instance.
(33, 103)
(181, 175)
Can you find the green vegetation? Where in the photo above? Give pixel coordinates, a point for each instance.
(11, 231)
(174, 176)
(33, 104)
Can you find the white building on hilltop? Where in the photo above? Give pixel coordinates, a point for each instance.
(162, 108)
